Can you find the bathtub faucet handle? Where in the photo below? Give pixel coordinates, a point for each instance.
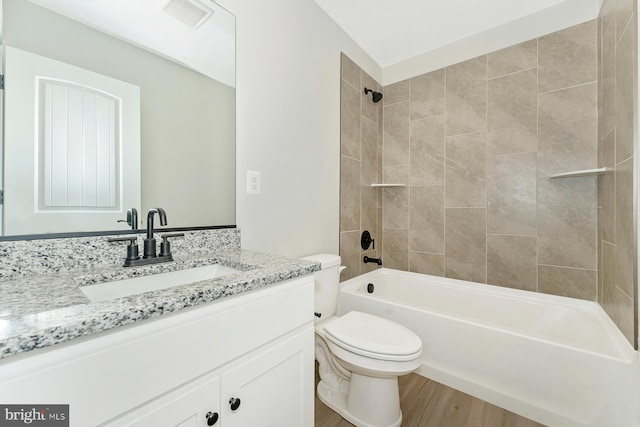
(366, 240)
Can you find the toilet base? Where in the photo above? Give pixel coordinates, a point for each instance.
(370, 402)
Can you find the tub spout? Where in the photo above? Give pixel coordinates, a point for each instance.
(378, 261)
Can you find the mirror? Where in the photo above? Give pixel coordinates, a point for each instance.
(185, 72)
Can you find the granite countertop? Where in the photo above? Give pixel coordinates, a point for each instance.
(44, 310)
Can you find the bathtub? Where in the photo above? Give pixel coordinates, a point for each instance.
(556, 360)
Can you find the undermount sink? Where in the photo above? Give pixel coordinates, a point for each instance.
(127, 287)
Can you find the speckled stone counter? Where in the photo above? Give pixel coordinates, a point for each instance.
(40, 310)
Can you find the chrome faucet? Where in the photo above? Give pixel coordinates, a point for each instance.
(150, 242)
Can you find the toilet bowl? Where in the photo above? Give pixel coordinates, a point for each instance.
(360, 356)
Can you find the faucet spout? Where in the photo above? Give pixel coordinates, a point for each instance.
(150, 242)
(163, 220)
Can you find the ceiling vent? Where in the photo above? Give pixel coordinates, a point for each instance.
(193, 13)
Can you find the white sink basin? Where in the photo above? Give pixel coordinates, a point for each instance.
(123, 288)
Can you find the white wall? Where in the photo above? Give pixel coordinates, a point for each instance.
(288, 123)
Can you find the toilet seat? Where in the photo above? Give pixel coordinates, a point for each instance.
(374, 337)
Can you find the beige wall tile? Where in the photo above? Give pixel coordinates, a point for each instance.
(512, 59)
(618, 305)
(378, 237)
(395, 200)
(465, 171)
(599, 74)
(368, 210)
(466, 244)
(396, 134)
(624, 226)
(607, 191)
(626, 65)
(427, 219)
(607, 13)
(427, 151)
(624, 317)
(369, 108)
(350, 254)
(623, 13)
(466, 97)
(567, 222)
(608, 81)
(395, 253)
(511, 194)
(567, 130)
(512, 116)
(608, 278)
(349, 121)
(568, 57)
(568, 282)
(599, 275)
(350, 71)
(369, 153)
(424, 263)
(512, 261)
(427, 95)
(349, 194)
(396, 92)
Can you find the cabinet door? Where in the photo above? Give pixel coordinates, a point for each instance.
(270, 388)
(189, 406)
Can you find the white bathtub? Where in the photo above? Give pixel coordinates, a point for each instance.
(556, 360)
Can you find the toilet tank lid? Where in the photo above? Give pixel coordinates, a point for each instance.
(326, 260)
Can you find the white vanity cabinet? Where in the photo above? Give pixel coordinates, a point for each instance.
(172, 371)
(266, 388)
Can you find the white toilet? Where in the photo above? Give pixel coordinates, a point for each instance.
(360, 356)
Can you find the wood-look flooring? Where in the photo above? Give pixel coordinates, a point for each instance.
(426, 403)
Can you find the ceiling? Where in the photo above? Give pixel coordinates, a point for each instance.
(145, 24)
(391, 31)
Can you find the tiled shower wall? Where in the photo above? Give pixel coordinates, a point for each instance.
(617, 84)
(360, 166)
(476, 143)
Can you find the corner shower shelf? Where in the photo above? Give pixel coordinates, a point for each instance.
(388, 185)
(585, 172)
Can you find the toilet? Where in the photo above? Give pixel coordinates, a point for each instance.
(360, 356)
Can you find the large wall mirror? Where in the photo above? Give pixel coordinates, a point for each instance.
(116, 104)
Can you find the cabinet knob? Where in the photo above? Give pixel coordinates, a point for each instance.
(212, 418)
(234, 402)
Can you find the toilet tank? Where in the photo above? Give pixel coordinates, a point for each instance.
(327, 285)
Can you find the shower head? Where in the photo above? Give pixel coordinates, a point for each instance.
(376, 96)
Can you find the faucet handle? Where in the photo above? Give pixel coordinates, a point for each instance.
(171, 235)
(165, 246)
(132, 247)
(130, 239)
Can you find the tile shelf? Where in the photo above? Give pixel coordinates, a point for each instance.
(584, 172)
(388, 185)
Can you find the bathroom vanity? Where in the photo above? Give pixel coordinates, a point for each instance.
(233, 350)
